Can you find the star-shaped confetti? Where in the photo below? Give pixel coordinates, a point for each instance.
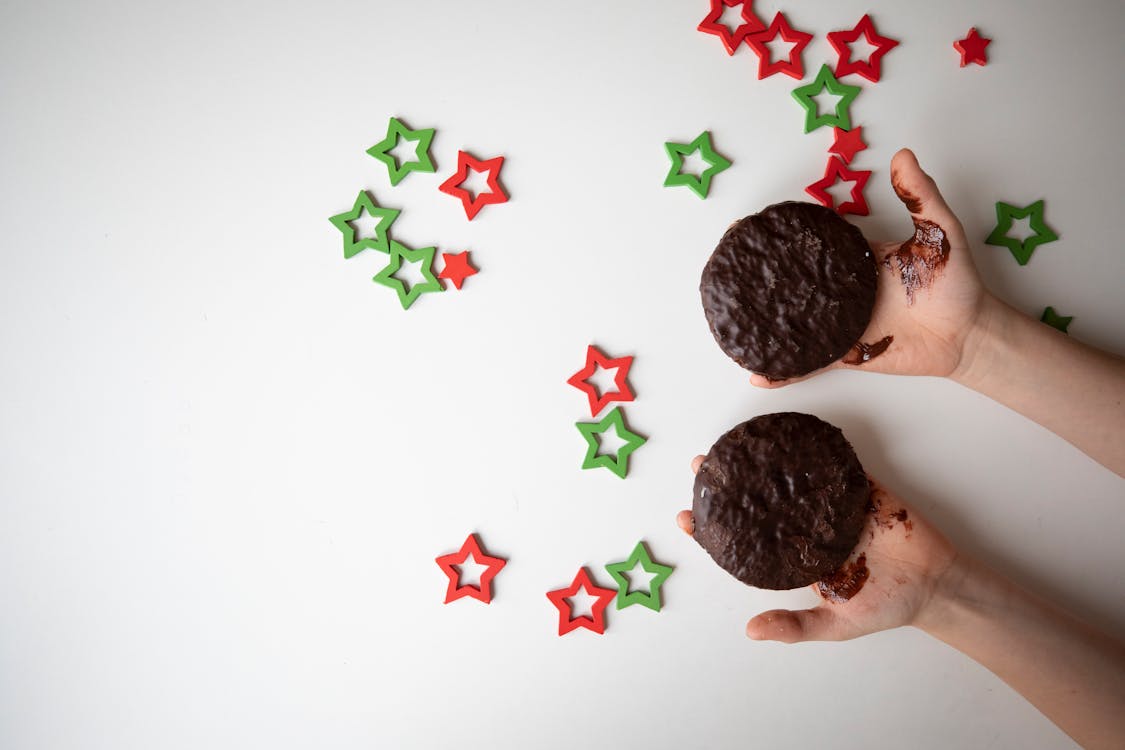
(841, 41)
(473, 204)
(712, 23)
(1056, 321)
(365, 204)
(618, 464)
(972, 48)
(457, 268)
(450, 565)
(421, 162)
(623, 575)
(596, 359)
(837, 172)
(847, 143)
(409, 293)
(759, 42)
(825, 80)
(701, 184)
(567, 620)
(1021, 251)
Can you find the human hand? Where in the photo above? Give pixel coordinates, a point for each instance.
(889, 580)
(929, 295)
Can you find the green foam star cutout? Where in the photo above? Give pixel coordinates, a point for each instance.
(365, 203)
(1053, 319)
(701, 184)
(622, 572)
(618, 464)
(409, 293)
(1021, 251)
(421, 162)
(825, 80)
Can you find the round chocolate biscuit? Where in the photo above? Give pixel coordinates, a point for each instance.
(789, 290)
(780, 500)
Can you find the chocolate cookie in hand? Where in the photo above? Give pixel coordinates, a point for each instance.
(789, 290)
(780, 500)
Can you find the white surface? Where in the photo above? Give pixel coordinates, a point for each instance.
(227, 459)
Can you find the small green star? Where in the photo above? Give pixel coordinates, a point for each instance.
(407, 294)
(618, 464)
(422, 162)
(825, 80)
(1005, 213)
(1053, 319)
(701, 184)
(364, 203)
(622, 574)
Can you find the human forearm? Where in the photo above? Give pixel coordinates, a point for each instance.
(1067, 669)
(1074, 390)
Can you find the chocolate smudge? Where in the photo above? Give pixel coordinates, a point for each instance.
(844, 583)
(862, 352)
(921, 258)
(912, 202)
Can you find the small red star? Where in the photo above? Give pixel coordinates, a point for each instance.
(711, 24)
(594, 360)
(972, 48)
(835, 172)
(596, 620)
(448, 564)
(872, 68)
(457, 268)
(848, 143)
(794, 66)
(495, 193)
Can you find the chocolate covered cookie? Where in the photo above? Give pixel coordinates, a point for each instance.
(789, 290)
(780, 500)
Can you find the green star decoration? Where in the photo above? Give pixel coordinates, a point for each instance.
(1021, 251)
(365, 203)
(622, 573)
(701, 185)
(618, 464)
(408, 293)
(1053, 319)
(422, 162)
(825, 80)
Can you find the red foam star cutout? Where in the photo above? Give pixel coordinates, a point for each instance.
(712, 24)
(972, 48)
(457, 268)
(596, 620)
(794, 66)
(871, 69)
(847, 143)
(594, 359)
(448, 564)
(836, 171)
(472, 204)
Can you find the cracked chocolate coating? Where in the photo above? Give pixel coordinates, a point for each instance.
(780, 500)
(789, 290)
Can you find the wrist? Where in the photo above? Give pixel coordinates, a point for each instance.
(982, 347)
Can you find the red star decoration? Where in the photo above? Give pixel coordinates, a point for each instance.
(836, 171)
(495, 193)
(596, 622)
(711, 24)
(448, 564)
(457, 268)
(594, 359)
(841, 41)
(972, 48)
(847, 143)
(794, 66)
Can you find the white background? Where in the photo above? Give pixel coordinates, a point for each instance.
(228, 459)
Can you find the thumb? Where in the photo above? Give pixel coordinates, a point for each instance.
(795, 626)
(918, 191)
